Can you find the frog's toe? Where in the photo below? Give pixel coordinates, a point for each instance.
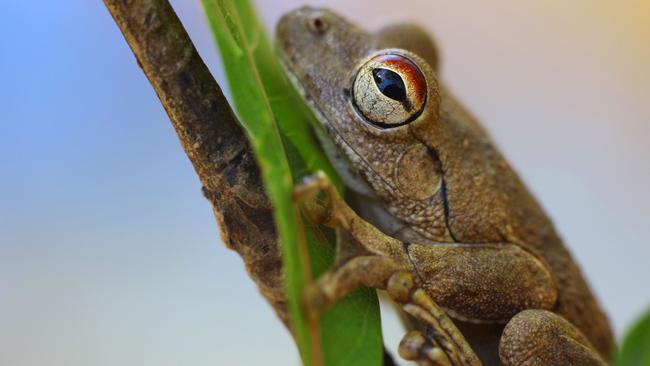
(416, 347)
(309, 186)
(315, 300)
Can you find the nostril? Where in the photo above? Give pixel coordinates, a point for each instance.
(317, 25)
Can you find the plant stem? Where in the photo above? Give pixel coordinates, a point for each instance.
(210, 136)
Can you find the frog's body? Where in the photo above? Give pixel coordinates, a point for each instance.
(429, 176)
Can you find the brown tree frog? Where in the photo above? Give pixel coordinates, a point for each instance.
(440, 219)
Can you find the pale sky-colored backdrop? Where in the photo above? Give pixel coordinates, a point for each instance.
(109, 255)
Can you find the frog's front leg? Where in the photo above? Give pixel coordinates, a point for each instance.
(381, 262)
(543, 338)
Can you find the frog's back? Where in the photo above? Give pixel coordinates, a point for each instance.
(489, 203)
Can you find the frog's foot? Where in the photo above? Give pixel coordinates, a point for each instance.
(320, 211)
(543, 338)
(440, 343)
(333, 211)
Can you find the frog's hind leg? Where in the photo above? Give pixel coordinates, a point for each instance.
(543, 338)
(437, 343)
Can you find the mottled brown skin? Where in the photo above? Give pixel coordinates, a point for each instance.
(438, 203)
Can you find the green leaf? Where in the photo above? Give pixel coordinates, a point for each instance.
(277, 123)
(635, 350)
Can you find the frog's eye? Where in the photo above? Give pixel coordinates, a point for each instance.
(389, 90)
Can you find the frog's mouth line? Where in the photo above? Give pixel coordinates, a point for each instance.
(321, 132)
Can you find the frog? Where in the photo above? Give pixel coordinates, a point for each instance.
(436, 217)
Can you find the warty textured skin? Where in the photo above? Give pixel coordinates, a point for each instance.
(439, 182)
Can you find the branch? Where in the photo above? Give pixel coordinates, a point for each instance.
(210, 136)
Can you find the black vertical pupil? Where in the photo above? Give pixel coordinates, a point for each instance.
(390, 84)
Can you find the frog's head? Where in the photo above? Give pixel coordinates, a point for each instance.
(367, 98)
(393, 129)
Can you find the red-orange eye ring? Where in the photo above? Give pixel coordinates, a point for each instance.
(389, 90)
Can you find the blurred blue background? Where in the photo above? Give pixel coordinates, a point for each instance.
(109, 255)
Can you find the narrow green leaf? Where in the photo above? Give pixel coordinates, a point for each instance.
(292, 115)
(257, 117)
(277, 123)
(635, 350)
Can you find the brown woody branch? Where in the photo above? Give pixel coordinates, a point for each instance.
(210, 135)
